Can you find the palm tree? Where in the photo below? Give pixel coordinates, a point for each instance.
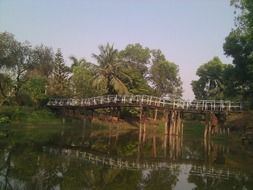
(76, 62)
(109, 73)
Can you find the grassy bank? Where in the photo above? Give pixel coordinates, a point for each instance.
(240, 122)
(16, 115)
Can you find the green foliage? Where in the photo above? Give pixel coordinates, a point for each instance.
(109, 72)
(164, 76)
(59, 80)
(6, 85)
(239, 45)
(138, 84)
(137, 57)
(42, 61)
(30, 75)
(25, 115)
(82, 81)
(16, 57)
(4, 120)
(20, 64)
(35, 87)
(211, 84)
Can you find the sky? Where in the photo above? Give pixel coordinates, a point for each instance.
(188, 32)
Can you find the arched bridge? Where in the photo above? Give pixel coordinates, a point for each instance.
(146, 101)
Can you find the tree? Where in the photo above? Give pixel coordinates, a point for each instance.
(16, 58)
(164, 76)
(77, 62)
(82, 80)
(239, 45)
(42, 61)
(136, 56)
(136, 59)
(7, 46)
(109, 71)
(211, 84)
(6, 84)
(35, 88)
(59, 80)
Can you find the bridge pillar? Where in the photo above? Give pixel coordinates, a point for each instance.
(142, 127)
(173, 123)
(155, 114)
(166, 123)
(211, 124)
(154, 146)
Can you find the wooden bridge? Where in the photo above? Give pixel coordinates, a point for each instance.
(173, 109)
(147, 101)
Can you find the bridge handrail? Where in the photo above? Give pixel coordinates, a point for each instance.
(198, 105)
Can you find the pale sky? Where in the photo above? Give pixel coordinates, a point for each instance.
(189, 32)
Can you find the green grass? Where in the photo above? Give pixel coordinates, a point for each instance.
(17, 115)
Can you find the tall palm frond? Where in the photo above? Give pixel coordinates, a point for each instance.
(109, 71)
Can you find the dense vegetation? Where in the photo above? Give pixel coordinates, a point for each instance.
(29, 75)
(231, 81)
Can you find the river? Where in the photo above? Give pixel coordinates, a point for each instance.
(73, 156)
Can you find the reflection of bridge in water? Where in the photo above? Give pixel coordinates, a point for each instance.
(196, 170)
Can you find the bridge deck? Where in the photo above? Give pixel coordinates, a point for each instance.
(147, 101)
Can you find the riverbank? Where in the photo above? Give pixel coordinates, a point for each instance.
(239, 123)
(17, 115)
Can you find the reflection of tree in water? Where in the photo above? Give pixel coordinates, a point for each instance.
(237, 182)
(5, 167)
(214, 174)
(158, 179)
(25, 169)
(28, 166)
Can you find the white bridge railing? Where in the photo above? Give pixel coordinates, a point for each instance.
(145, 100)
(118, 163)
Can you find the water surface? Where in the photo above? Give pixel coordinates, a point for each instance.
(91, 157)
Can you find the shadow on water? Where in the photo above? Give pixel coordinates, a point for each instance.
(93, 157)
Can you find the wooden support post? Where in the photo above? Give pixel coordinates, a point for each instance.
(63, 120)
(206, 130)
(208, 127)
(140, 116)
(173, 123)
(166, 123)
(165, 145)
(118, 112)
(178, 122)
(182, 128)
(155, 115)
(154, 146)
(144, 132)
(140, 127)
(140, 132)
(170, 123)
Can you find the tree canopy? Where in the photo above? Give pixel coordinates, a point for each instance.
(211, 84)
(29, 75)
(239, 45)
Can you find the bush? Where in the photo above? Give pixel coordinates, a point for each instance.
(4, 120)
(25, 114)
